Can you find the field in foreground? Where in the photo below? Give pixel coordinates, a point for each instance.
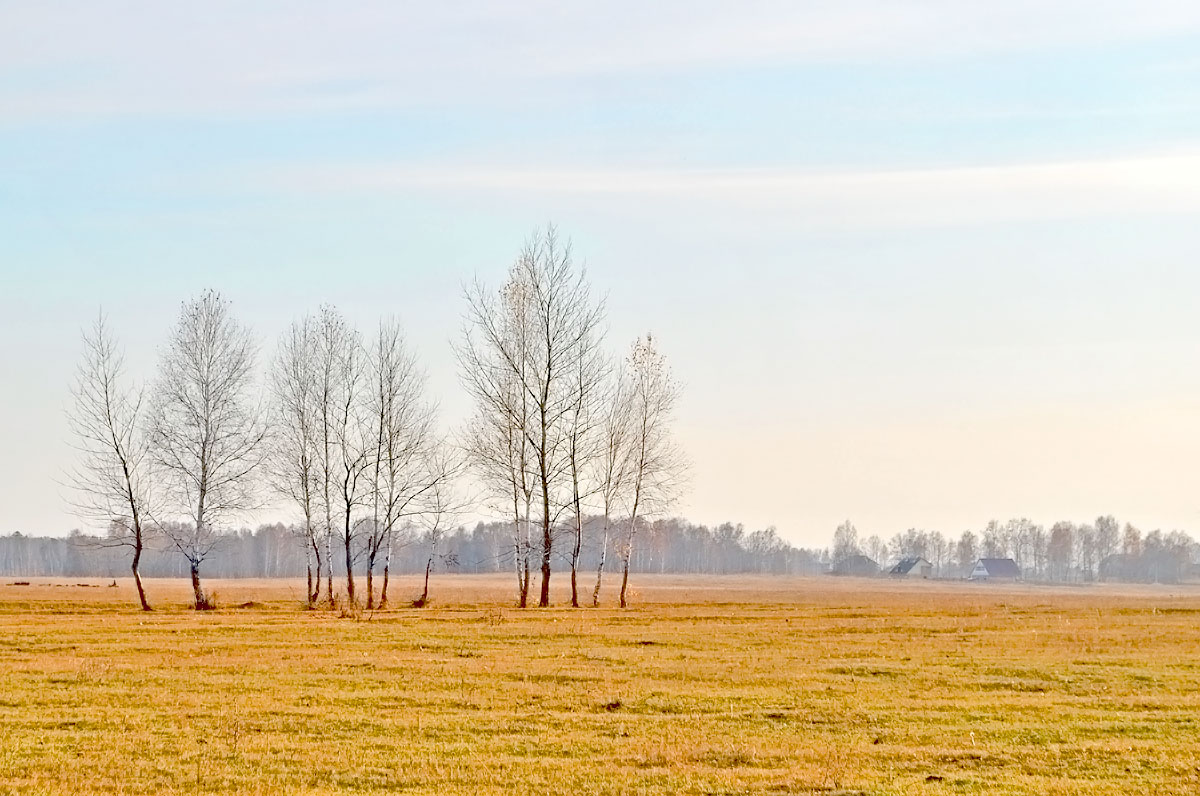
(705, 686)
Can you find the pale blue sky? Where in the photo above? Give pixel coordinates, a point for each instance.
(917, 263)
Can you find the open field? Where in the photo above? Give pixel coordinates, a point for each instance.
(713, 685)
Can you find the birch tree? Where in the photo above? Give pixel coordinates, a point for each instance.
(613, 465)
(333, 336)
(497, 449)
(353, 446)
(657, 467)
(206, 430)
(111, 483)
(519, 355)
(404, 465)
(493, 362)
(584, 442)
(293, 463)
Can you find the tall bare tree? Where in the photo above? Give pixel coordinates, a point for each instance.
(404, 467)
(613, 465)
(584, 423)
(539, 359)
(657, 466)
(112, 481)
(207, 431)
(293, 464)
(497, 440)
(354, 445)
(334, 336)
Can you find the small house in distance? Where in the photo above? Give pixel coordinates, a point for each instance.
(912, 568)
(995, 569)
(858, 564)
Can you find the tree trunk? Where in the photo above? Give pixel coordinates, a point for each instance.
(517, 567)
(387, 565)
(308, 593)
(370, 587)
(349, 567)
(600, 566)
(628, 552)
(425, 594)
(547, 542)
(517, 548)
(137, 576)
(314, 591)
(547, 536)
(575, 555)
(525, 582)
(524, 562)
(202, 603)
(329, 566)
(574, 587)
(624, 581)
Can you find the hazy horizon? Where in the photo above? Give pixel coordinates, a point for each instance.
(915, 264)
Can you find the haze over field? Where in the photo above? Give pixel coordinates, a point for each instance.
(920, 264)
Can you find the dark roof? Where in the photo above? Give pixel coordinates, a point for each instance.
(1001, 567)
(856, 563)
(905, 566)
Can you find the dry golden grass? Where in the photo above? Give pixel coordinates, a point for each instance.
(713, 685)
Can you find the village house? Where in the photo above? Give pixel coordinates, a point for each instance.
(912, 568)
(995, 569)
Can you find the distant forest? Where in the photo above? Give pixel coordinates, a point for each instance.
(667, 546)
(1065, 553)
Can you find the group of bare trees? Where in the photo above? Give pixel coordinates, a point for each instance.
(357, 451)
(346, 435)
(560, 428)
(342, 432)
(178, 462)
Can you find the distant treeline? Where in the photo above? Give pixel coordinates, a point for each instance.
(270, 551)
(1065, 552)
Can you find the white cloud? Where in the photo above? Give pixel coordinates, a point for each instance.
(1159, 183)
(144, 57)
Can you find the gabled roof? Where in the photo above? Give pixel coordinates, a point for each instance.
(856, 563)
(1000, 567)
(906, 565)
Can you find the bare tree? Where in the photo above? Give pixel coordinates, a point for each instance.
(441, 507)
(874, 548)
(614, 464)
(523, 346)
(966, 553)
(354, 446)
(584, 441)
(497, 450)
(343, 441)
(293, 463)
(657, 467)
(404, 446)
(1108, 536)
(331, 333)
(497, 439)
(111, 482)
(845, 542)
(206, 429)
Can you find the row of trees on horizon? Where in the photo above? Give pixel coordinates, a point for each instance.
(666, 545)
(1066, 552)
(339, 428)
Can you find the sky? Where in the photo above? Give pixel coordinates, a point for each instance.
(915, 264)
